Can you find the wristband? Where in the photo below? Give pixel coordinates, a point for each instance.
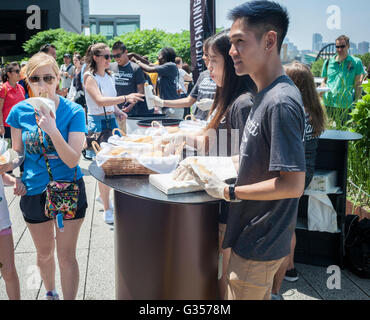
(232, 192)
(125, 99)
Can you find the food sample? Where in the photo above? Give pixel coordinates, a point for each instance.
(201, 170)
(118, 151)
(3, 159)
(146, 139)
(173, 129)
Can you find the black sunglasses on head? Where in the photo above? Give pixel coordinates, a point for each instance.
(341, 47)
(106, 56)
(47, 79)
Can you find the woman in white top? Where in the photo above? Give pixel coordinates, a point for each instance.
(101, 95)
(183, 76)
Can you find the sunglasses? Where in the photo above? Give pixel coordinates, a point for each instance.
(341, 47)
(116, 56)
(106, 56)
(46, 79)
(16, 71)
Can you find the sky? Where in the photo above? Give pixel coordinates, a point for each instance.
(349, 17)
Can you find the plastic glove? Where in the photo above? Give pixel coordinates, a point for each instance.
(209, 181)
(158, 102)
(183, 173)
(205, 104)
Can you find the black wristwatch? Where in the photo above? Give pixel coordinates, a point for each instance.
(232, 192)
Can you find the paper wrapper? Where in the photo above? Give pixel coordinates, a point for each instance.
(44, 104)
(148, 90)
(9, 156)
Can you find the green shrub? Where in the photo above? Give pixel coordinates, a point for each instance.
(316, 67)
(359, 151)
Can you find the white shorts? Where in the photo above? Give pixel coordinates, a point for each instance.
(4, 211)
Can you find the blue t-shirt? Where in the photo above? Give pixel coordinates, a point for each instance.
(70, 117)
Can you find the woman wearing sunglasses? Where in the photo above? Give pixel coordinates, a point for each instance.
(63, 137)
(10, 94)
(101, 100)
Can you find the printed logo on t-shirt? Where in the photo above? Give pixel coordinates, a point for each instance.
(33, 146)
(308, 129)
(123, 78)
(252, 127)
(207, 87)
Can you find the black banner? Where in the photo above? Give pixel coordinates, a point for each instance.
(202, 26)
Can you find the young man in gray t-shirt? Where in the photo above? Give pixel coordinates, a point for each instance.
(271, 172)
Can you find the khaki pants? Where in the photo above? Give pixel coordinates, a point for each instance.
(250, 280)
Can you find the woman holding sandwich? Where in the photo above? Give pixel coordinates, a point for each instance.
(57, 136)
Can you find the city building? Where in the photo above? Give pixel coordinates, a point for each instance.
(113, 25)
(317, 43)
(353, 48)
(21, 19)
(363, 47)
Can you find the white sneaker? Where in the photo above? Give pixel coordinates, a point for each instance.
(108, 216)
(99, 199)
(51, 296)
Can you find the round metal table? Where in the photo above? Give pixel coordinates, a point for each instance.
(166, 247)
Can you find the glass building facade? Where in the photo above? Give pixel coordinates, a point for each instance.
(112, 26)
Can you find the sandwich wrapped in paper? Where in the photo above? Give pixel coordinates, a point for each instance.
(9, 156)
(44, 104)
(148, 90)
(222, 167)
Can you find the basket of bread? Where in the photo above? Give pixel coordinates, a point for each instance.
(131, 158)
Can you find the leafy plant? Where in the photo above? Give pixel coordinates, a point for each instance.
(359, 151)
(150, 42)
(316, 67)
(365, 58)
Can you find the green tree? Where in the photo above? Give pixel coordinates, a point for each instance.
(316, 67)
(150, 42)
(51, 36)
(365, 58)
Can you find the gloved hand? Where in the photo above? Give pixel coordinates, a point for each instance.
(210, 182)
(158, 102)
(182, 173)
(204, 104)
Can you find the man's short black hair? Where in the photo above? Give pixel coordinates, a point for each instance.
(45, 48)
(119, 45)
(263, 16)
(168, 54)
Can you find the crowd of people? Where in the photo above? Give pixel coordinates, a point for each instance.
(245, 87)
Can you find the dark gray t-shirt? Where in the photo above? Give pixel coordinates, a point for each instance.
(231, 128)
(168, 77)
(205, 88)
(127, 78)
(272, 142)
(310, 147)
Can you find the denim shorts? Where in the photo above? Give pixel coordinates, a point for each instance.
(98, 124)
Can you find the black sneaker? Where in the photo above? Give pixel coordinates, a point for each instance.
(291, 275)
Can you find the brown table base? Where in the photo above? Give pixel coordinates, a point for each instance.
(165, 251)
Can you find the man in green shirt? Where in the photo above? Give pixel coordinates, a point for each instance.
(342, 74)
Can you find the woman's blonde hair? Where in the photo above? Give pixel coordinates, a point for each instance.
(38, 60)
